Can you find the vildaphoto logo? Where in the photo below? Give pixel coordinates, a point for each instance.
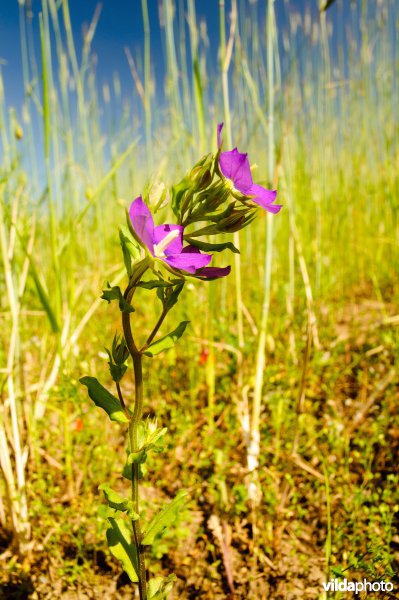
(337, 585)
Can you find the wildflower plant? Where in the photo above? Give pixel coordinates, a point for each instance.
(217, 196)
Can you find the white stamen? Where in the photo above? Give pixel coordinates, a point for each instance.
(159, 248)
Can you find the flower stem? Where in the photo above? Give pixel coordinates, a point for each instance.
(133, 436)
(121, 400)
(133, 439)
(155, 330)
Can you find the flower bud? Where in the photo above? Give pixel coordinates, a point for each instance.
(117, 357)
(120, 353)
(236, 220)
(205, 206)
(201, 174)
(193, 183)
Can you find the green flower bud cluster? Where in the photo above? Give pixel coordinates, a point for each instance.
(194, 182)
(118, 355)
(198, 198)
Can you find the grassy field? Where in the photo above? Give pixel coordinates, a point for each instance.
(300, 343)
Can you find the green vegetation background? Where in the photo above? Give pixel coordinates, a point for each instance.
(73, 156)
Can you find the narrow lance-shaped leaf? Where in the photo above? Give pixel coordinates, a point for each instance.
(44, 299)
(127, 259)
(178, 192)
(166, 342)
(117, 502)
(104, 399)
(130, 248)
(119, 542)
(130, 242)
(210, 247)
(164, 518)
(41, 291)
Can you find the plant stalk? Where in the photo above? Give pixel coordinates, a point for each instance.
(133, 437)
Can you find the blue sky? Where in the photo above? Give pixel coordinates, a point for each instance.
(120, 25)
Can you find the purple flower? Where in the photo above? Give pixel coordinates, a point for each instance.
(165, 242)
(235, 167)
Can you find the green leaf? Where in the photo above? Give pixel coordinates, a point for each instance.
(130, 248)
(41, 290)
(104, 399)
(157, 283)
(166, 342)
(171, 296)
(138, 457)
(216, 216)
(127, 259)
(117, 371)
(128, 240)
(164, 518)
(180, 191)
(158, 588)
(44, 299)
(119, 542)
(114, 293)
(127, 471)
(161, 295)
(151, 438)
(118, 502)
(210, 247)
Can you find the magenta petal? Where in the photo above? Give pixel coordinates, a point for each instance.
(214, 272)
(220, 127)
(176, 245)
(264, 198)
(191, 250)
(142, 222)
(190, 260)
(235, 166)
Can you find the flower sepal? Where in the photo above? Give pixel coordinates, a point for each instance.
(207, 203)
(201, 174)
(233, 219)
(212, 247)
(130, 248)
(218, 215)
(139, 268)
(237, 220)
